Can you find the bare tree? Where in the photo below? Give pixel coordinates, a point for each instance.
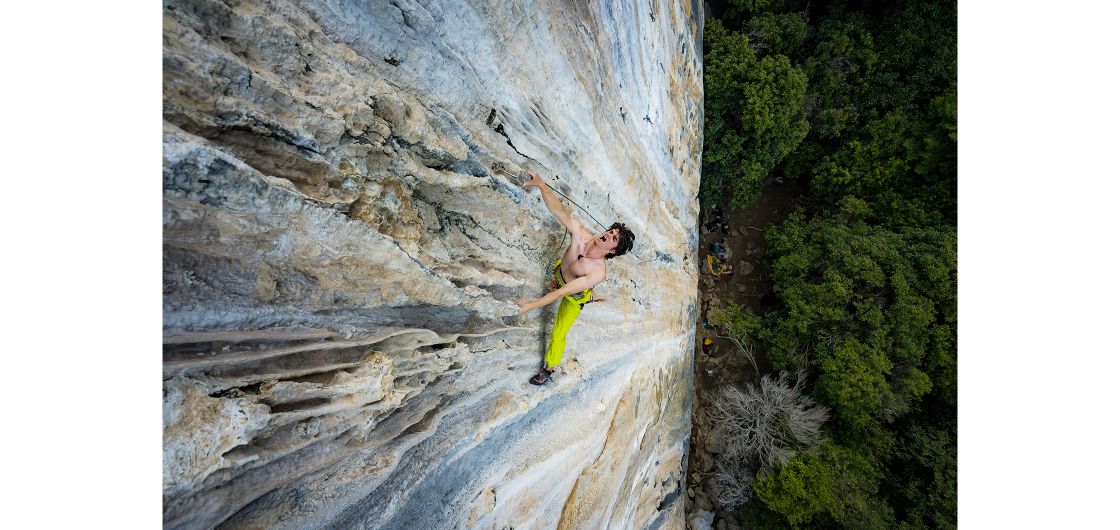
(763, 426)
(733, 481)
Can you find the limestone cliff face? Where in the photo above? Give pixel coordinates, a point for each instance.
(340, 258)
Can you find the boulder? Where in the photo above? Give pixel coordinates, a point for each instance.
(744, 268)
(701, 520)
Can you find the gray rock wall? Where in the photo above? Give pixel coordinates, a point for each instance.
(340, 258)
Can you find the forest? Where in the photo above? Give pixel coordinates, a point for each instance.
(854, 423)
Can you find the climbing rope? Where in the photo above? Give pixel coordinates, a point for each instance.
(501, 169)
(497, 166)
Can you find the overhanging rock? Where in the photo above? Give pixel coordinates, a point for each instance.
(341, 256)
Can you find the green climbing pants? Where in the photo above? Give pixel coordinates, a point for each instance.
(566, 314)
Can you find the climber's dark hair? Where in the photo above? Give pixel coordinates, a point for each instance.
(625, 240)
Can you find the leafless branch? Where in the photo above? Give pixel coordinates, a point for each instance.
(747, 350)
(763, 426)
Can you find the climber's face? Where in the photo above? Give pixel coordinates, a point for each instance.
(607, 241)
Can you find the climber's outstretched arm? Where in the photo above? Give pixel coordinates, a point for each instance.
(577, 285)
(578, 231)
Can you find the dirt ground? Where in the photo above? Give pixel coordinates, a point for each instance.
(724, 364)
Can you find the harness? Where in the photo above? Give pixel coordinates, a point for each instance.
(584, 297)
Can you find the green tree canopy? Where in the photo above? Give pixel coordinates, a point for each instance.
(752, 115)
(902, 165)
(872, 308)
(830, 481)
(859, 99)
(778, 34)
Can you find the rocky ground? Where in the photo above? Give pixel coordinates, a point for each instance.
(724, 364)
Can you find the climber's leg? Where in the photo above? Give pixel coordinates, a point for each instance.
(565, 316)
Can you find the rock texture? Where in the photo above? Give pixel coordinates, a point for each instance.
(340, 258)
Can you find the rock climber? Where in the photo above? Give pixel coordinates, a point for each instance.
(720, 250)
(582, 266)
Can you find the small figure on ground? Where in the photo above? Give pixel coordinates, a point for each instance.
(719, 249)
(715, 220)
(717, 223)
(719, 267)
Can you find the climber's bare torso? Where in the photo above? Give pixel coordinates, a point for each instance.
(574, 263)
(584, 261)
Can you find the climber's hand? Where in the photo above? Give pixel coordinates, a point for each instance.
(534, 180)
(524, 305)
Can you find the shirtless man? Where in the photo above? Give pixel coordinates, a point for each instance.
(582, 266)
